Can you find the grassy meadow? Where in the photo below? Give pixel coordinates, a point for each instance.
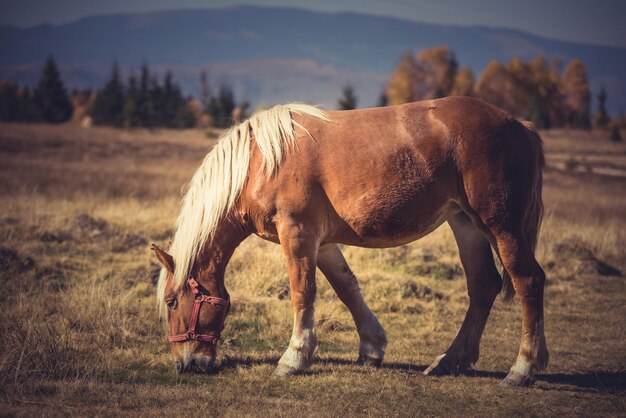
(80, 334)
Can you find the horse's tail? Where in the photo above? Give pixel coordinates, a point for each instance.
(533, 213)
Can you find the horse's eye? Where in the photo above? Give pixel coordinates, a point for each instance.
(172, 304)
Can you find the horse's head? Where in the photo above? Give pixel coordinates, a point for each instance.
(195, 317)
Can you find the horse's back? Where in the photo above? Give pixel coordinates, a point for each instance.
(385, 173)
(384, 176)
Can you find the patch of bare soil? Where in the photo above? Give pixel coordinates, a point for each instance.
(19, 271)
(415, 290)
(84, 228)
(582, 260)
(11, 263)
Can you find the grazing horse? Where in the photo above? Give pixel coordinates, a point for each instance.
(310, 180)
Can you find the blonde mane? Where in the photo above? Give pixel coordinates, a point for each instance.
(217, 183)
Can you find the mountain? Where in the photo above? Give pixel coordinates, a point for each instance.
(277, 54)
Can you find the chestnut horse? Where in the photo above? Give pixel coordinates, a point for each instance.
(382, 177)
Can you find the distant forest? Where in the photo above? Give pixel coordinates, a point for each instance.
(535, 90)
(141, 101)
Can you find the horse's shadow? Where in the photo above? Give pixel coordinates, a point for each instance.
(598, 380)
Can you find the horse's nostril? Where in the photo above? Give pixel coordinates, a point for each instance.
(204, 363)
(179, 366)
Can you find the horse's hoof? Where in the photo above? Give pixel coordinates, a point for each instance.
(441, 367)
(364, 360)
(283, 370)
(517, 380)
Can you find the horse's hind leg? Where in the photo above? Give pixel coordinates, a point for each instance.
(373, 342)
(528, 280)
(483, 285)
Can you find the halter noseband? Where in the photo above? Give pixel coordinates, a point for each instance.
(200, 298)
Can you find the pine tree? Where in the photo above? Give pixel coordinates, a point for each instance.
(227, 104)
(50, 96)
(108, 107)
(176, 112)
(185, 117)
(205, 91)
(170, 102)
(383, 100)
(8, 101)
(601, 118)
(145, 106)
(348, 101)
(221, 107)
(16, 103)
(156, 104)
(26, 110)
(131, 114)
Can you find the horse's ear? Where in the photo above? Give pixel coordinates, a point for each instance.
(164, 258)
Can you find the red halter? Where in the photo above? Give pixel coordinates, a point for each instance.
(191, 333)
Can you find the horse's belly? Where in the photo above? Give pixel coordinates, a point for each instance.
(373, 236)
(391, 216)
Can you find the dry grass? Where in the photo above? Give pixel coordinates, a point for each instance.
(585, 152)
(80, 334)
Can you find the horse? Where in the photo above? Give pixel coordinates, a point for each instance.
(310, 180)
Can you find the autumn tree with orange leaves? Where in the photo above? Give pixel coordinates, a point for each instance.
(577, 97)
(431, 74)
(533, 90)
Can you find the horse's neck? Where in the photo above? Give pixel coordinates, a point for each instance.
(214, 257)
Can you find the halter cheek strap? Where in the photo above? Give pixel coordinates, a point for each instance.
(191, 335)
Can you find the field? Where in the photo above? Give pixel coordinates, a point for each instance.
(80, 334)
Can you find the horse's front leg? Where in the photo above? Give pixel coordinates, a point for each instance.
(300, 250)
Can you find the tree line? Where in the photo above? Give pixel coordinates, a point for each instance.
(47, 102)
(220, 109)
(140, 101)
(535, 90)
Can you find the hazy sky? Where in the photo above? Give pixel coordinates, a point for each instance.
(590, 21)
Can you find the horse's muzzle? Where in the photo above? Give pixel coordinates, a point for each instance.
(197, 363)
